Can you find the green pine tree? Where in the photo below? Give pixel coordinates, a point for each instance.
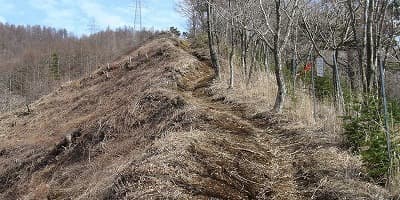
(55, 67)
(365, 134)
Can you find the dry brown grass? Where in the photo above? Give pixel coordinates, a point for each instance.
(261, 94)
(137, 125)
(324, 170)
(155, 129)
(394, 184)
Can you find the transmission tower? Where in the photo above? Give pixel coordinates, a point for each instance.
(138, 15)
(92, 26)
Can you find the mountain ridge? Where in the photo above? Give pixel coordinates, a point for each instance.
(152, 125)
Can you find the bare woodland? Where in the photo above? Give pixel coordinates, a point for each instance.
(356, 39)
(35, 59)
(279, 31)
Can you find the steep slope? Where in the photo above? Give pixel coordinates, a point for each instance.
(150, 126)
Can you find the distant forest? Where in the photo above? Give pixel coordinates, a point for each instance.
(35, 59)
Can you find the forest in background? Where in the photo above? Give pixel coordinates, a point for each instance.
(35, 59)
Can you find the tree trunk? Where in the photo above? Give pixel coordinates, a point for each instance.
(231, 53)
(354, 86)
(266, 61)
(218, 43)
(244, 55)
(213, 54)
(363, 77)
(253, 62)
(385, 111)
(294, 60)
(336, 83)
(194, 24)
(362, 52)
(371, 68)
(231, 70)
(281, 95)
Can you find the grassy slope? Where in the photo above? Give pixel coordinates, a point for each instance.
(158, 127)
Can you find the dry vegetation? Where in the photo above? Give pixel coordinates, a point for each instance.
(159, 128)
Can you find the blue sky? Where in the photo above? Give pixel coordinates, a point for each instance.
(76, 15)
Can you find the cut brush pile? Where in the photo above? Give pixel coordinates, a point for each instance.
(153, 126)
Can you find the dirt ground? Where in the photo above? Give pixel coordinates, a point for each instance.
(153, 126)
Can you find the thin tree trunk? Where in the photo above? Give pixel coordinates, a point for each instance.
(294, 60)
(244, 55)
(232, 52)
(231, 70)
(69, 70)
(337, 85)
(10, 95)
(253, 62)
(218, 43)
(266, 60)
(213, 54)
(359, 47)
(194, 24)
(281, 95)
(385, 114)
(313, 86)
(371, 69)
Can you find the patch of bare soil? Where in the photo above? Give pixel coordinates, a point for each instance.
(150, 127)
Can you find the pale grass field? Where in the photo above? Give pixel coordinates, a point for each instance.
(261, 93)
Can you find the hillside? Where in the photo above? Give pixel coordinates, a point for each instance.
(35, 59)
(156, 128)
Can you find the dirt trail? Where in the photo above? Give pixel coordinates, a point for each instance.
(234, 119)
(314, 163)
(256, 140)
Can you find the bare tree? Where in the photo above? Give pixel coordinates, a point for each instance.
(280, 27)
(210, 33)
(328, 28)
(232, 47)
